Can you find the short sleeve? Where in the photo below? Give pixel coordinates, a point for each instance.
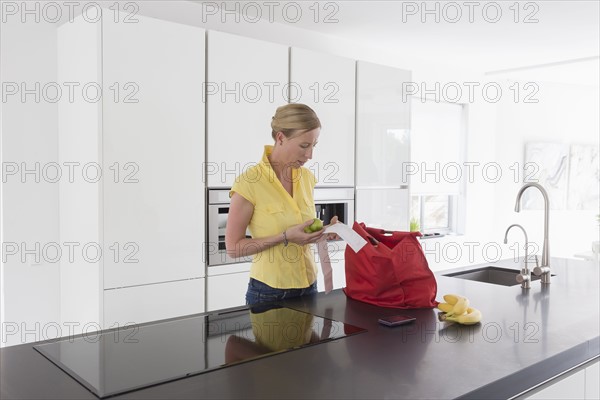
(243, 187)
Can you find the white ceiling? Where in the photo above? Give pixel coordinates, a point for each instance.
(566, 30)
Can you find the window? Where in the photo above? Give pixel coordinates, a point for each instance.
(434, 213)
(437, 155)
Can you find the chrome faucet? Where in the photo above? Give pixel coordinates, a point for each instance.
(524, 278)
(544, 269)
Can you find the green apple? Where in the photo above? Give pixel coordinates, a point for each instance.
(317, 225)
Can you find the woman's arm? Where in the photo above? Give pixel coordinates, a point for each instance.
(240, 214)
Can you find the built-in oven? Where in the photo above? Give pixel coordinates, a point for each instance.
(328, 203)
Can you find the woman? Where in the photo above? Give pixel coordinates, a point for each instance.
(274, 199)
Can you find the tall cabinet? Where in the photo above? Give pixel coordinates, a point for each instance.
(139, 214)
(382, 146)
(153, 153)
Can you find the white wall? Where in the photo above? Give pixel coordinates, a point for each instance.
(566, 114)
(31, 293)
(497, 133)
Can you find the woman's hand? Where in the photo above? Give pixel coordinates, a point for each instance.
(332, 236)
(296, 234)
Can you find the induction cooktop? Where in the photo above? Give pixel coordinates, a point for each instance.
(122, 360)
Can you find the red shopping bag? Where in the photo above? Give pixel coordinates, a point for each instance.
(390, 270)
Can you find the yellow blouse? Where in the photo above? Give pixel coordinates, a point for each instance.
(282, 267)
(282, 328)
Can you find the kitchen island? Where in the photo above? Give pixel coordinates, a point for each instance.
(526, 338)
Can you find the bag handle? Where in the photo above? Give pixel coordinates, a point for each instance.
(366, 234)
(373, 241)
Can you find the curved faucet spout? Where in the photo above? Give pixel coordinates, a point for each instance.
(524, 233)
(525, 276)
(545, 250)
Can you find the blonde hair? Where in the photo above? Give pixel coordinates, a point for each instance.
(294, 119)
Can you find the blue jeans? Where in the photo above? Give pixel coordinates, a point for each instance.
(259, 292)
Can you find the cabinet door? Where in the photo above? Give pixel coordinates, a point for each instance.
(571, 387)
(382, 125)
(592, 381)
(147, 303)
(247, 81)
(153, 145)
(326, 83)
(383, 208)
(226, 286)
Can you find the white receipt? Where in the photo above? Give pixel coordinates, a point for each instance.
(354, 240)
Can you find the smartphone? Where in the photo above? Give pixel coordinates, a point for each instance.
(396, 320)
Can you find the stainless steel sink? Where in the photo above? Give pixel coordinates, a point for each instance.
(493, 275)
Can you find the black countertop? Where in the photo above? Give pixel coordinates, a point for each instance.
(525, 338)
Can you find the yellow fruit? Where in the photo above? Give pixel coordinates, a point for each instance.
(471, 317)
(460, 304)
(451, 299)
(445, 307)
(460, 307)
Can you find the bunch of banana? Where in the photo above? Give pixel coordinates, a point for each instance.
(456, 309)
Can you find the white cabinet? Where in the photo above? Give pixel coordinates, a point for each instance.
(582, 383)
(572, 387)
(140, 304)
(138, 136)
(226, 286)
(382, 125)
(247, 81)
(153, 152)
(386, 208)
(592, 381)
(382, 146)
(326, 83)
